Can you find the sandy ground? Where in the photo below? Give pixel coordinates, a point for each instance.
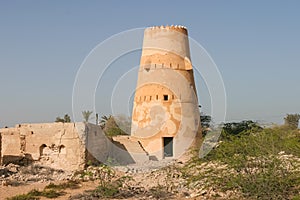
(9, 191)
(146, 178)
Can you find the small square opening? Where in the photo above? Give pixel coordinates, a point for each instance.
(166, 97)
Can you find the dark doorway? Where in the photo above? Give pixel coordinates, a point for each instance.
(168, 146)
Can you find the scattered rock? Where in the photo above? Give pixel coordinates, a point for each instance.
(14, 174)
(149, 180)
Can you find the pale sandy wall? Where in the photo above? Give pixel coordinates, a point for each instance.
(57, 145)
(96, 143)
(10, 144)
(165, 69)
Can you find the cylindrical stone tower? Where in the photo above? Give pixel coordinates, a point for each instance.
(165, 117)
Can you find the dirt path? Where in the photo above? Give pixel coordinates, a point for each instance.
(10, 191)
(90, 185)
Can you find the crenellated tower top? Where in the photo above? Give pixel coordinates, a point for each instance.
(178, 28)
(166, 47)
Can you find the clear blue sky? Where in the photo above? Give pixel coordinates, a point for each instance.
(255, 44)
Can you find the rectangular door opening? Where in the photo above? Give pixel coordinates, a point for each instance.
(168, 146)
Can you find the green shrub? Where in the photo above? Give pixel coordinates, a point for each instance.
(239, 128)
(23, 197)
(50, 192)
(236, 150)
(108, 190)
(292, 120)
(70, 184)
(254, 166)
(111, 186)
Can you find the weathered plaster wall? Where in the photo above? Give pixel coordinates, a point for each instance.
(67, 146)
(165, 103)
(97, 144)
(10, 145)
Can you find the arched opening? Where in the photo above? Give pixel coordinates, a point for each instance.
(62, 149)
(42, 147)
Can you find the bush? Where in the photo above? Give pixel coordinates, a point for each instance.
(110, 185)
(112, 128)
(23, 197)
(260, 165)
(35, 194)
(239, 128)
(66, 119)
(50, 191)
(70, 184)
(108, 190)
(292, 120)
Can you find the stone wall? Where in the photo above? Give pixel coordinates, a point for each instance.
(67, 146)
(97, 144)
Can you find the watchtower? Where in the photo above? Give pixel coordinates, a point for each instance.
(165, 116)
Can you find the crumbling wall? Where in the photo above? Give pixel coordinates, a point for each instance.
(97, 145)
(56, 145)
(10, 145)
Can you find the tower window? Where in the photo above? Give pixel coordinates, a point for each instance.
(147, 68)
(150, 98)
(166, 97)
(156, 97)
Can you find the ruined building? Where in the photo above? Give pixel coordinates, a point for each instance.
(67, 146)
(165, 117)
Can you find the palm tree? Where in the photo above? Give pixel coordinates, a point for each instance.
(86, 115)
